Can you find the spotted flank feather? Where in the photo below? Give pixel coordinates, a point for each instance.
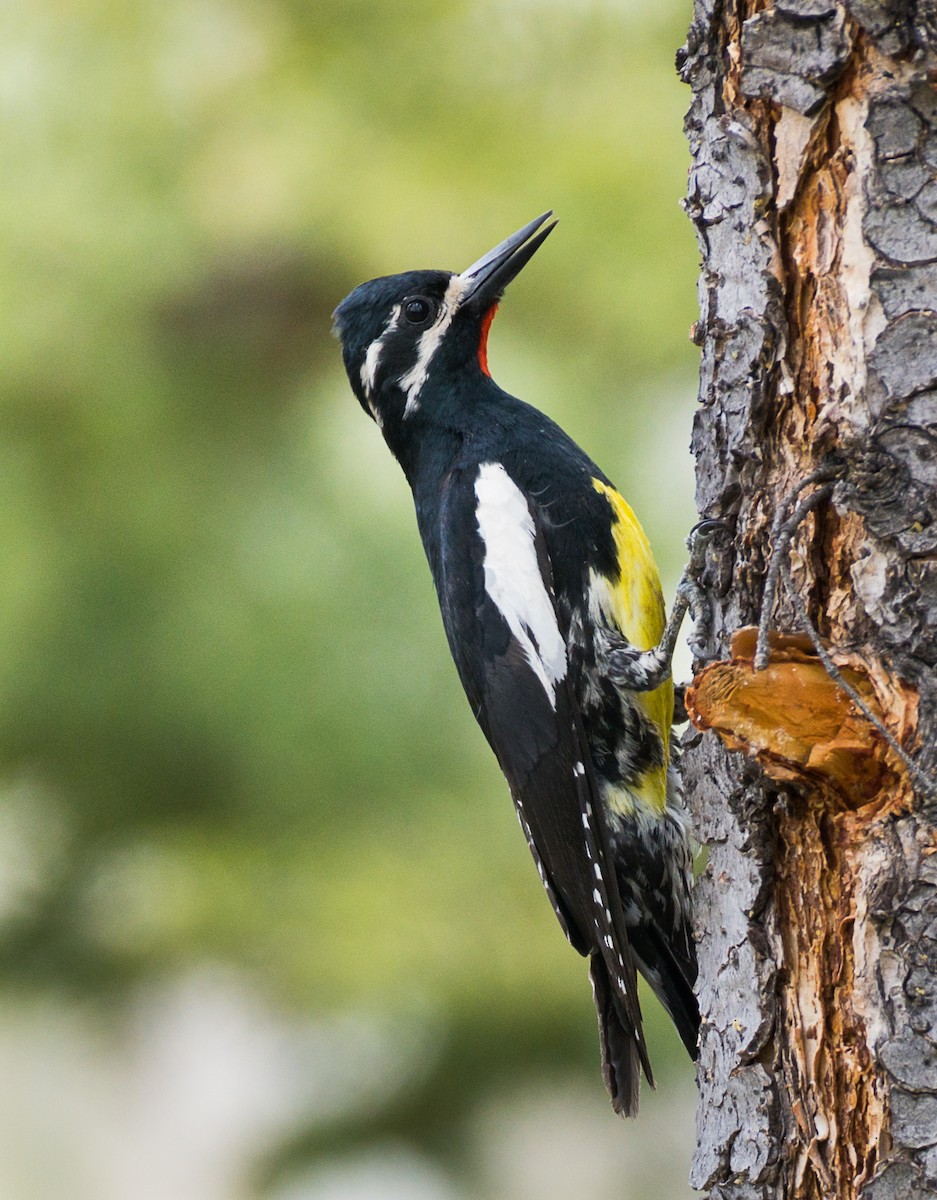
(552, 895)
(611, 965)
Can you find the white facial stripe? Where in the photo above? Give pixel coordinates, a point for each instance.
(370, 364)
(512, 574)
(372, 359)
(414, 379)
(453, 297)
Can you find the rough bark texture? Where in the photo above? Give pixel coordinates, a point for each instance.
(813, 131)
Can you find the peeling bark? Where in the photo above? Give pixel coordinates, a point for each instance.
(813, 188)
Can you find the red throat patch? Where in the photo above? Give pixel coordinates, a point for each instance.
(483, 339)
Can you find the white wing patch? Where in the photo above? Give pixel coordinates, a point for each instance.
(512, 574)
(412, 382)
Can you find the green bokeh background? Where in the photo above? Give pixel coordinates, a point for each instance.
(230, 730)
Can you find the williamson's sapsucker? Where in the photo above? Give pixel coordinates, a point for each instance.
(552, 605)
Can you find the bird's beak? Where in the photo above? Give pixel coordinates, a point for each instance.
(486, 279)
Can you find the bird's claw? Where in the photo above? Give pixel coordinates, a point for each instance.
(699, 542)
(700, 538)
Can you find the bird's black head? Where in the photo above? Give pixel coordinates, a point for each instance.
(403, 334)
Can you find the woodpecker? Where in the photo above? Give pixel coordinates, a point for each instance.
(552, 606)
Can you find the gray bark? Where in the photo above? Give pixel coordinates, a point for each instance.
(813, 188)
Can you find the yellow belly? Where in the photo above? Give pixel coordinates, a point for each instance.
(633, 603)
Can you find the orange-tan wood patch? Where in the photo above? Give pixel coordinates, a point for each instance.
(797, 721)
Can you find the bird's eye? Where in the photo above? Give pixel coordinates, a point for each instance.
(417, 310)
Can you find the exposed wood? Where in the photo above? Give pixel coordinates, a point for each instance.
(800, 725)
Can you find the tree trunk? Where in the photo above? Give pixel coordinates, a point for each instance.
(813, 187)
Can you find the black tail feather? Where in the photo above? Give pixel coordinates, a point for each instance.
(621, 1057)
(669, 981)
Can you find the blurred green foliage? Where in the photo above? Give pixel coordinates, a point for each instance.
(229, 726)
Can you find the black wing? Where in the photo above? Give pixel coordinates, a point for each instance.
(533, 723)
